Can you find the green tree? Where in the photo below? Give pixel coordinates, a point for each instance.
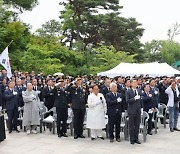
(108, 57)
(83, 23)
(22, 4)
(152, 51)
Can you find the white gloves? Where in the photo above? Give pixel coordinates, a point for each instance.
(33, 96)
(150, 95)
(38, 92)
(119, 99)
(141, 111)
(15, 93)
(19, 108)
(156, 92)
(137, 97)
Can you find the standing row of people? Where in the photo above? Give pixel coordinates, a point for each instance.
(109, 97)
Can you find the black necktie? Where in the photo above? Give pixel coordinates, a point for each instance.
(135, 92)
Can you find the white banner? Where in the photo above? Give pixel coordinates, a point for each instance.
(4, 61)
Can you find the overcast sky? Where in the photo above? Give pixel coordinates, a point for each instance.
(156, 16)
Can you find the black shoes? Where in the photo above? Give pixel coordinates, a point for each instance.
(118, 140)
(132, 143)
(75, 137)
(149, 133)
(17, 131)
(137, 142)
(81, 136)
(102, 138)
(64, 135)
(171, 130)
(176, 129)
(92, 138)
(111, 140)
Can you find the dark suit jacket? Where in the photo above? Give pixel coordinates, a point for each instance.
(78, 97)
(113, 106)
(61, 98)
(123, 93)
(120, 87)
(49, 96)
(12, 101)
(104, 90)
(147, 102)
(19, 91)
(1, 95)
(163, 97)
(39, 89)
(134, 106)
(155, 96)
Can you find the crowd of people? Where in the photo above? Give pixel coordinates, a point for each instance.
(99, 96)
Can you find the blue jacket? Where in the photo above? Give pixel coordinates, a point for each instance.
(147, 102)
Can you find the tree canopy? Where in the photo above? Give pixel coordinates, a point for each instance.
(90, 37)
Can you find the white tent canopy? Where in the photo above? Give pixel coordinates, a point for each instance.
(131, 69)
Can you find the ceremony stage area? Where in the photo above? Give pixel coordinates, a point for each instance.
(164, 142)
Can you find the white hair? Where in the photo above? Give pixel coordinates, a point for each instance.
(113, 84)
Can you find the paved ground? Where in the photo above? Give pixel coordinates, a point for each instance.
(46, 143)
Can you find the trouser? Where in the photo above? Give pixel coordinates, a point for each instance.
(62, 115)
(134, 124)
(173, 116)
(96, 133)
(78, 121)
(49, 106)
(12, 119)
(31, 127)
(150, 123)
(114, 121)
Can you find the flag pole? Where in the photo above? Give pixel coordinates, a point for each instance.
(10, 43)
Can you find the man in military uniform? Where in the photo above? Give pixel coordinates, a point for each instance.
(61, 104)
(78, 99)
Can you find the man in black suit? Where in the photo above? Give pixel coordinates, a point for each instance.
(19, 88)
(3, 88)
(12, 104)
(48, 94)
(61, 104)
(123, 92)
(120, 84)
(78, 99)
(148, 105)
(155, 92)
(140, 83)
(37, 89)
(105, 88)
(162, 86)
(114, 111)
(133, 98)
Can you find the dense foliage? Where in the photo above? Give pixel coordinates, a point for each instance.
(91, 37)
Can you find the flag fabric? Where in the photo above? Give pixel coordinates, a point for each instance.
(4, 61)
